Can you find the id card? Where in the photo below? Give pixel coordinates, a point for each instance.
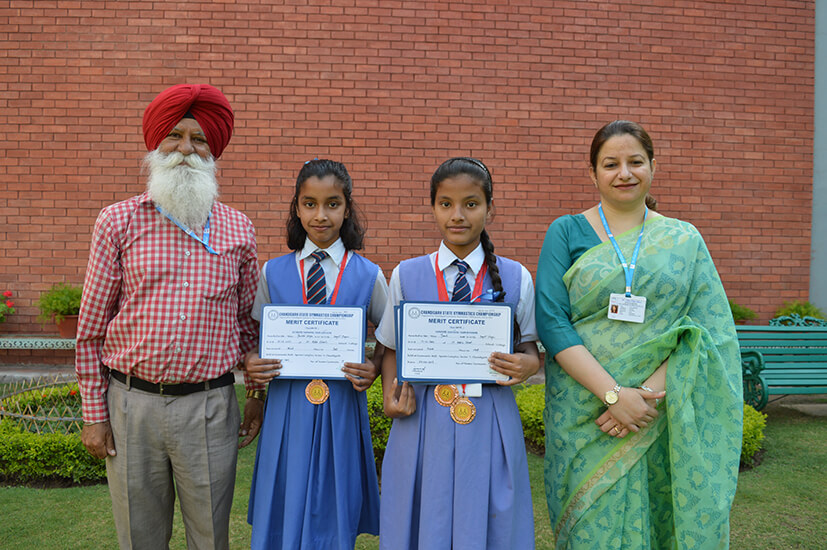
(627, 308)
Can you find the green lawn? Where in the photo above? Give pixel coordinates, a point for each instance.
(779, 504)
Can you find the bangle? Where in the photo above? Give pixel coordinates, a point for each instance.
(256, 394)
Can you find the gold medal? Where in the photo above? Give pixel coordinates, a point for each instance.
(317, 392)
(463, 411)
(445, 394)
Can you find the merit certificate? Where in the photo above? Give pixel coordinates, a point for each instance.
(451, 341)
(312, 341)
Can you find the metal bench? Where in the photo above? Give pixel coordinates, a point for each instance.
(787, 357)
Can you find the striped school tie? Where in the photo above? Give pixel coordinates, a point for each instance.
(316, 285)
(462, 290)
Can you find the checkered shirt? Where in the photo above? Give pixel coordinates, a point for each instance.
(156, 305)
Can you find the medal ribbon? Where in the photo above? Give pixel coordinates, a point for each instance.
(443, 291)
(333, 296)
(204, 241)
(628, 269)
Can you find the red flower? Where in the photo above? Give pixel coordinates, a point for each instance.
(7, 294)
(73, 392)
(9, 303)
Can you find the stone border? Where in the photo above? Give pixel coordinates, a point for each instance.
(36, 342)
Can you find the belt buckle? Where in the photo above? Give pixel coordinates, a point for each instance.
(161, 388)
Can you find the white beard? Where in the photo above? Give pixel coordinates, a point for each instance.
(186, 191)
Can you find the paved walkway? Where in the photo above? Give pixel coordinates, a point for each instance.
(811, 405)
(10, 374)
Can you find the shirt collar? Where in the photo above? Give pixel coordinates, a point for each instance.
(336, 251)
(474, 260)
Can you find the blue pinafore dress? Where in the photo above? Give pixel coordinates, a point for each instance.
(314, 483)
(448, 486)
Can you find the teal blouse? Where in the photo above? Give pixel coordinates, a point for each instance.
(566, 240)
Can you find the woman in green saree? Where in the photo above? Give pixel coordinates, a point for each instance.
(643, 379)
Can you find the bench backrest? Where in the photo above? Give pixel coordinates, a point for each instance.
(793, 356)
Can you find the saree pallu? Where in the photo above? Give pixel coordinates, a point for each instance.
(671, 484)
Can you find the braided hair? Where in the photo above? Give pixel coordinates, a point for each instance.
(351, 232)
(480, 173)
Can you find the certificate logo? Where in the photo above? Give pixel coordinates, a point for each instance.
(414, 313)
(273, 314)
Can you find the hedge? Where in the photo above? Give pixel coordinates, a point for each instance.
(27, 456)
(531, 402)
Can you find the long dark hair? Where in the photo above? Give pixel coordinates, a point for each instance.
(352, 233)
(621, 128)
(480, 173)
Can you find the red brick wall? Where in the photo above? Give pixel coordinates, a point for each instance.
(392, 88)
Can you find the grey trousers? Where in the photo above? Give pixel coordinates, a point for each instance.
(191, 441)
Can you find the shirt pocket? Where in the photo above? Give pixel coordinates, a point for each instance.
(221, 277)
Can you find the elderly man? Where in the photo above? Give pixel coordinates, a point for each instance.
(165, 318)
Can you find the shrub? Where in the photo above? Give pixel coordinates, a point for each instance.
(741, 313)
(380, 425)
(802, 309)
(58, 302)
(26, 456)
(40, 435)
(754, 424)
(531, 400)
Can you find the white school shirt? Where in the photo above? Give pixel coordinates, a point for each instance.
(523, 313)
(330, 265)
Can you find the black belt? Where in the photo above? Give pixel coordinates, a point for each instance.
(184, 388)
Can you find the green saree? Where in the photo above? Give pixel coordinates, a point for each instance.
(670, 485)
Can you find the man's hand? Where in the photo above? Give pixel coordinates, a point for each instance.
(98, 440)
(261, 371)
(251, 424)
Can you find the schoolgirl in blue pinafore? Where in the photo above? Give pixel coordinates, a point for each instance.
(446, 485)
(312, 456)
(314, 483)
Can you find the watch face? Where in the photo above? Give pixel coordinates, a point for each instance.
(611, 397)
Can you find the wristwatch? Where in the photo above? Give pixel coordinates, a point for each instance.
(611, 396)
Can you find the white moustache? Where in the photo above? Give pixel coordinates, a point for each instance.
(173, 160)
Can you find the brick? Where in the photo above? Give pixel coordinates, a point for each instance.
(392, 89)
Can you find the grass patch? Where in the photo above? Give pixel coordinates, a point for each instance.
(779, 504)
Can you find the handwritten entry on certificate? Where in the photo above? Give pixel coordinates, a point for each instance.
(450, 341)
(312, 341)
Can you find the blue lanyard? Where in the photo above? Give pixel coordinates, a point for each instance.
(629, 269)
(205, 240)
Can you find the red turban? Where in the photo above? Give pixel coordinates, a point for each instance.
(205, 103)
